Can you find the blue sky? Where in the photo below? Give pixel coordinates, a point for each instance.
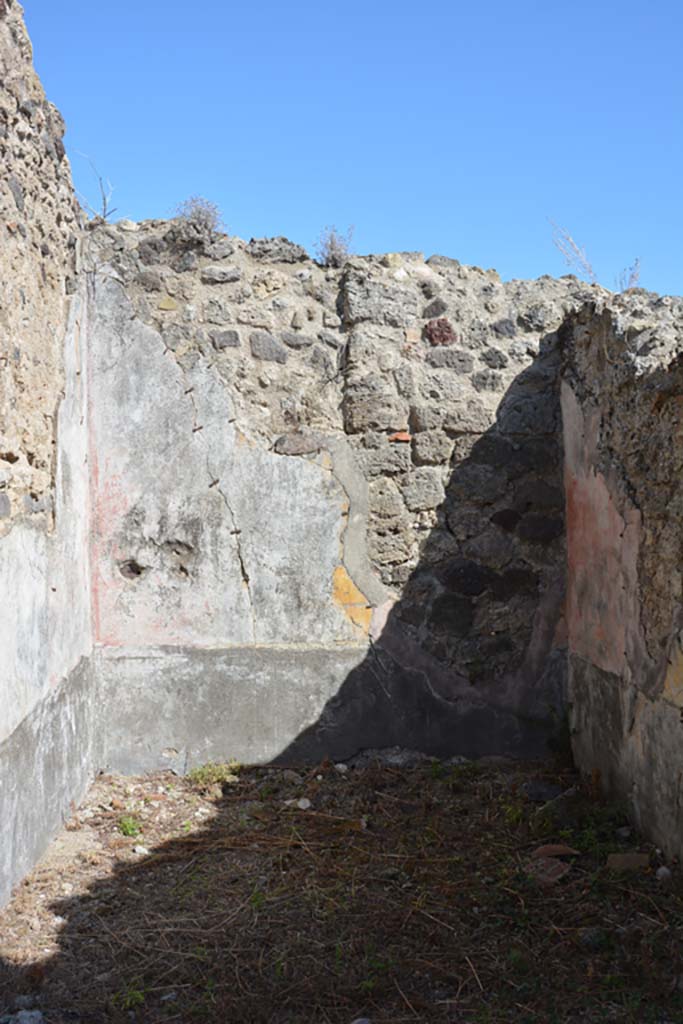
(449, 127)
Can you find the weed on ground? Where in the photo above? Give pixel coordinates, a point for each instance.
(466, 893)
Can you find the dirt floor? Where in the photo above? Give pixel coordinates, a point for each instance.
(394, 889)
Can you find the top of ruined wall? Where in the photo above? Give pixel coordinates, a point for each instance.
(38, 229)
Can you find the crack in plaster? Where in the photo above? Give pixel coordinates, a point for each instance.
(236, 533)
(214, 481)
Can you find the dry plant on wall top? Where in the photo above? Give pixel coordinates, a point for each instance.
(629, 277)
(333, 247)
(106, 189)
(575, 257)
(202, 213)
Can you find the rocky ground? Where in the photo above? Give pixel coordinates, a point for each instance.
(394, 888)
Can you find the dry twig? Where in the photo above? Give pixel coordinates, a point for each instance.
(574, 254)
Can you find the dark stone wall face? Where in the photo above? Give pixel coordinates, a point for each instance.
(497, 545)
(476, 547)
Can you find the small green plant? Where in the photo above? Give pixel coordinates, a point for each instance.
(129, 998)
(210, 993)
(595, 831)
(465, 772)
(519, 961)
(257, 899)
(333, 248)
(129, 826)
(201, 213)
(376, 966)
(514, 813)
(213, 773)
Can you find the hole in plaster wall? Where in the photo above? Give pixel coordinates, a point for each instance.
(131, 569)
(179, 547)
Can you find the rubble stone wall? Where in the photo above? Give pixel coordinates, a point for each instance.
(42, 568)
(623, 420)
(38, 232)
(46, 683)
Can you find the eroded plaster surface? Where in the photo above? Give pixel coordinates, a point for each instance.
(201, 535)
(49, 728)
(602, 560)
(622, 401)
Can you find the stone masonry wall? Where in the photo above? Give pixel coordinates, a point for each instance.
(623, 423)
(42, 563)
(38, 228)
(47, 732)
(420, 401)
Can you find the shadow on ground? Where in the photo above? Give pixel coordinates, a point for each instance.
(396, 894)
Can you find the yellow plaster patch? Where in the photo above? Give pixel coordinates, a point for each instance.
(349, 598)
(673, 681)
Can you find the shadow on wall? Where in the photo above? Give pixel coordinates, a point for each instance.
(472, 659)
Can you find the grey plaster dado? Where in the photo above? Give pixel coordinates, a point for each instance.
(46, 765)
